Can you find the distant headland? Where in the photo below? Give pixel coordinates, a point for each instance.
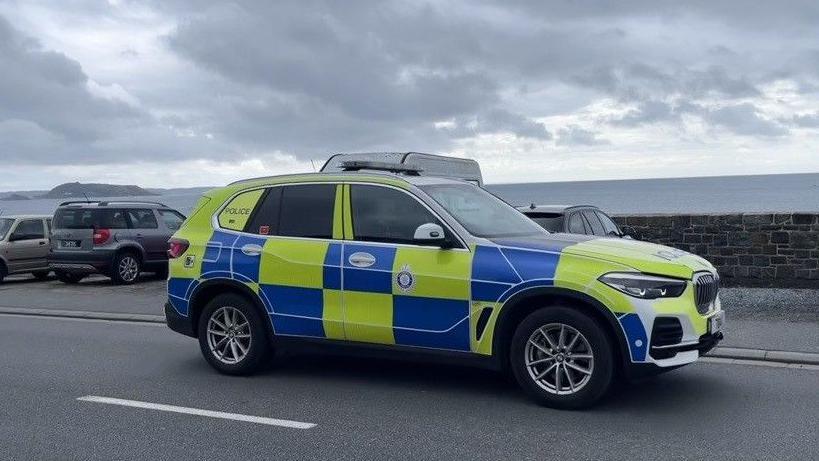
(82, 190)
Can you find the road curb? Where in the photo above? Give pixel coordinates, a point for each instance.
(739, 353)
(765, 355)
(143, 318)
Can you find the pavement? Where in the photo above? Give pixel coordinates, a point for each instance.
(364, 409)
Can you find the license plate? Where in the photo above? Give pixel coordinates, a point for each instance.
(69, 243)
(716, 321)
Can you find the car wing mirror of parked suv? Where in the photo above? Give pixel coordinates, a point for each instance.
(627, 232)
(431, 234)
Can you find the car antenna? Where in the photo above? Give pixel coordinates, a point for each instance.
(532, 206)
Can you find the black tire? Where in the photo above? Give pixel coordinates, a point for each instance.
(161, 272)
(259, 349)
(40, 275)
(601, 369)
(3, 271)
(69, 277)
(126, 268)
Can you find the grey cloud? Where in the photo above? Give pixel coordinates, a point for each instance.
(810, 120)
(498, 121)
(576, 136)
(744, 119)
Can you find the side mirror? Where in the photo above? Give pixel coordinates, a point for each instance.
(430, 234)
(627, 232)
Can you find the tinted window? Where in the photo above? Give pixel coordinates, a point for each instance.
(307, 210)
(143, 219)
(173, 220)
(5, 225)
(265, 218)
(29, 229)
(552, 222)
(84, 218)
(596, 226)
(382, 214)
(608, 225)
(576, 224)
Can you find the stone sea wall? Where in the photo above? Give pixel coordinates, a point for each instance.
(753, 249)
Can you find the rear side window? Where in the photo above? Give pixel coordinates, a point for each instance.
(265, 219)
(236, 214)
(576, 224)
(85, 218)
(173, 219)
(381, 214)
(596, 226)
(307, 210)
(143, 219)
(608, 225)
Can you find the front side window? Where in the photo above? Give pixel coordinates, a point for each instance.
(29, 229)
(481, 213)
(143, 219)
(383, 214)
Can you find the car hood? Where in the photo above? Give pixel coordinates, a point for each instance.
(645, 257)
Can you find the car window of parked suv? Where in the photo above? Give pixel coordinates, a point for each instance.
(552, 222)
(5, 225)
(173, 220)
(608, 225)
(596, 225)
(576, 225)
(142, 219)
(29, 229)
(382, 214)
(84, 218)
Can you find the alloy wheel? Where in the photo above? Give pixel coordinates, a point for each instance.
(229, 335)
(559, 359)
(128, 268)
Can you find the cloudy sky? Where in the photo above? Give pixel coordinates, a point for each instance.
(175, 93)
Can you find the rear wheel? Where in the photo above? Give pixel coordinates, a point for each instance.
(233, 336)
(562, 358)
(68, 277)
(3, 272)
(40, 275)
(126, 268)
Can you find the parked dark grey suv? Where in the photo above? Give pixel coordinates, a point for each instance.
(117, 239)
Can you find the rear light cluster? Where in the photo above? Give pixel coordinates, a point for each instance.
(177, 247)
(101, 236)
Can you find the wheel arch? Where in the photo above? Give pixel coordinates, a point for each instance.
(209, 289)
(516, 308)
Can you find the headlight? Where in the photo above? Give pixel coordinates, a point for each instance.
(644, 286)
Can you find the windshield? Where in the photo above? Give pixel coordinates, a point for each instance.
(480, 212)
(5, 225)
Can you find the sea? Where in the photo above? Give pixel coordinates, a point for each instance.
(719, 194)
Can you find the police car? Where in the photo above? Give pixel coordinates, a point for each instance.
(428, 266)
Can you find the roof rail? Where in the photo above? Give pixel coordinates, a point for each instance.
(357, 165)
(109, 202)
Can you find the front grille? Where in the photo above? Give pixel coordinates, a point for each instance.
(706, 287)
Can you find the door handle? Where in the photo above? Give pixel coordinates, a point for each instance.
(361, 259)
(251, 249)
(42, 243)
(139, 236)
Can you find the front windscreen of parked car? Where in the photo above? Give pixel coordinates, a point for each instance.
(84, 218)
(5, 225)
(552, 222)
(481, 213)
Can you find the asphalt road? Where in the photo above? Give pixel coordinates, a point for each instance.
(367, 409)
(756, 317)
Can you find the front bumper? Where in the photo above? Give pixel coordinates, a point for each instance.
(177, 322)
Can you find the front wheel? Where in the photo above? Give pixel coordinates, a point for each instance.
(562, 358)
(233, 336)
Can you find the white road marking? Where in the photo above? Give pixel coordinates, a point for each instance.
(198, 412)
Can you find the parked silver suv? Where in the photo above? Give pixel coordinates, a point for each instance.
(24, 245)
(117, 239)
